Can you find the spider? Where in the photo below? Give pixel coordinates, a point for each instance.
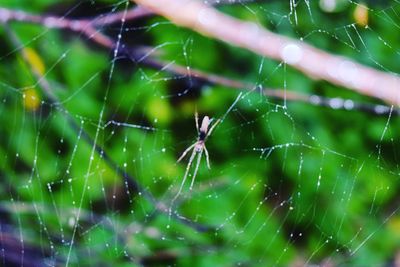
(198, 147)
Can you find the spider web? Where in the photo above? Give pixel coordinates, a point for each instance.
(90, 137)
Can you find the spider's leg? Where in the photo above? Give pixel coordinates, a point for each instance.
(196, 118)
(186, 174)
(207, 157)
(213, 126)
(196, 169)
(185, 152)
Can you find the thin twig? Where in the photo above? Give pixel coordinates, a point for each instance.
(131, 14)
(274, 93)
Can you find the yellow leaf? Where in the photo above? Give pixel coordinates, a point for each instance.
(34, 60)
(394, 225)
(361, 15)
(31, 99)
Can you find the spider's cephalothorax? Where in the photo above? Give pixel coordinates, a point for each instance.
(198, 147)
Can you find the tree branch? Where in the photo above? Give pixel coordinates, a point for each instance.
(312, 61)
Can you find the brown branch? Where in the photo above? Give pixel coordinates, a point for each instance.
(131, 14)
(86, 26)
(73, 24)
(312, 61)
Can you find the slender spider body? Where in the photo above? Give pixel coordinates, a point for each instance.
(197, 148)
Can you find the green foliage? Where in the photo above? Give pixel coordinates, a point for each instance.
(287, 184)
